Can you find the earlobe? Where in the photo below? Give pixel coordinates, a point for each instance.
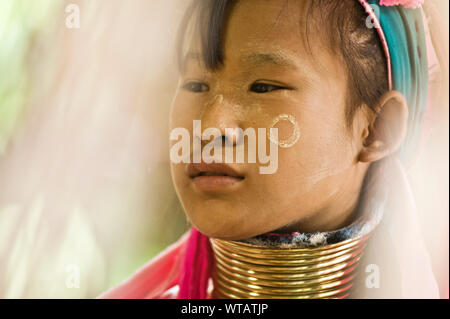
(388, 129)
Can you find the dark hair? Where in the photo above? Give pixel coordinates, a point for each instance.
(343, 25)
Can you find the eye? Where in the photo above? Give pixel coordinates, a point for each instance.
(265, 88)
(196, 87)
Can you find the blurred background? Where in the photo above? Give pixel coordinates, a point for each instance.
(86, 196)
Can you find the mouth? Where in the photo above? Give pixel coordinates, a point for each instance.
(213, 176)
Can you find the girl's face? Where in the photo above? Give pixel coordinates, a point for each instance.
(268, 71)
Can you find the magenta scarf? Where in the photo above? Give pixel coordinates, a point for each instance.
(196, 268)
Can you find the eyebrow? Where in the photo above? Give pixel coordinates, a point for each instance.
(255, 59)
(278, 59)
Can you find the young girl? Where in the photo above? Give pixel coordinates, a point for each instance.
(345, 83)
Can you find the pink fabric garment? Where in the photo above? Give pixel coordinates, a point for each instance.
(405, 3)
(196, 268)
(154, 279)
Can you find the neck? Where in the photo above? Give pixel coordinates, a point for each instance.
(248, 271)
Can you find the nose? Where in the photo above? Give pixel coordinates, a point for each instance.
(221, 114)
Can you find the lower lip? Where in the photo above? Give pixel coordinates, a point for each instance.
(215, 183)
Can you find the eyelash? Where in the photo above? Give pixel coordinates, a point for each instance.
(266, 88)
(259, 88)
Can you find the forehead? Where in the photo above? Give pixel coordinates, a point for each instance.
(265, 17)
(275, 32)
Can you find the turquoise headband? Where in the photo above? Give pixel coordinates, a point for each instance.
(405, 36)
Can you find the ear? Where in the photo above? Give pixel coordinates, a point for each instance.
(387, 129)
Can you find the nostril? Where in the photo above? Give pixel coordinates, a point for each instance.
(226, 140)
(233, 136)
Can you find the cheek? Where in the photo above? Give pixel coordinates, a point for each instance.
(324, 149)
(181, 116)
(327, 143)
(308, 175)
(183, 112)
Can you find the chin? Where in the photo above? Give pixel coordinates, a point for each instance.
(220, 230)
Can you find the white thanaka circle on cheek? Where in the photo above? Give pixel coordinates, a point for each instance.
(293, 139)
